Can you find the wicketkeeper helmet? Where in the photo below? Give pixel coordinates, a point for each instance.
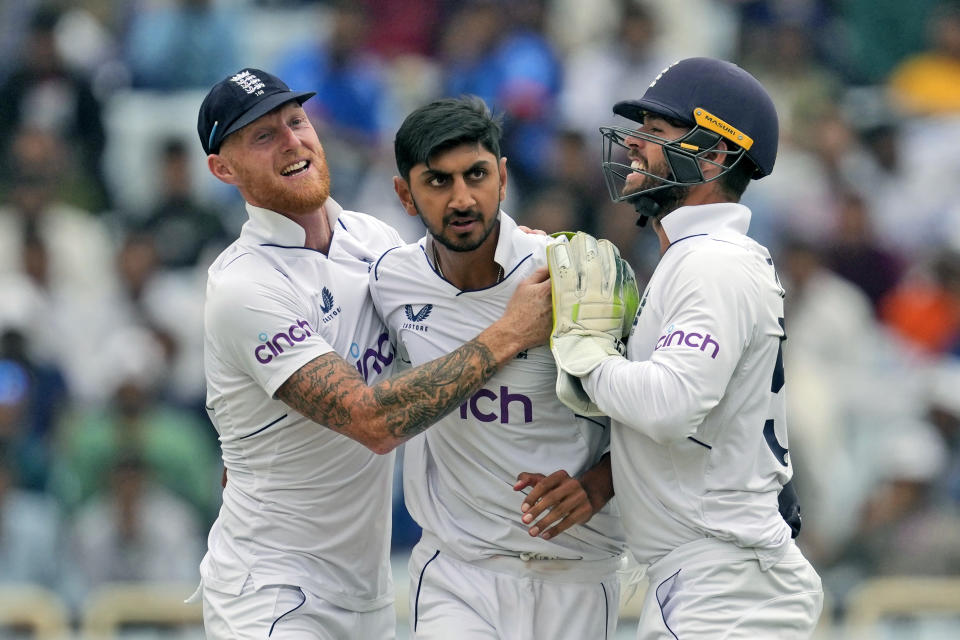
(720, 101)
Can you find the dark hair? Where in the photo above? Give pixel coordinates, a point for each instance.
(734, 182)
(442, 125)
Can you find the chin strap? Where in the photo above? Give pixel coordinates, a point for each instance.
(647, 207)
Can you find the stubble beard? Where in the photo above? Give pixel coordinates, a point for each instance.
(668, 197)
(456, 244)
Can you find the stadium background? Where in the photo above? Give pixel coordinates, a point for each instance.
(109, 469)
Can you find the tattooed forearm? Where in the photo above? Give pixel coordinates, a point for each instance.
(317, 390)
(419, 397)
(330, 391)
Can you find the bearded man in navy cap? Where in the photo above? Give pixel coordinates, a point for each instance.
(297, 369)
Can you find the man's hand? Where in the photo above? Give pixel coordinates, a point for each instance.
(560, 499)
(529, 311)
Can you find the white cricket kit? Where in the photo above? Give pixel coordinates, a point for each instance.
(304, 505)
(699, 442)
(459, 474)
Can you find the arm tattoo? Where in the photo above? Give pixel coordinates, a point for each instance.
(419, 397)
(327, 388)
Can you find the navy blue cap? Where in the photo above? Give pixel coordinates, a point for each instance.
(237, 101)
(719, 96)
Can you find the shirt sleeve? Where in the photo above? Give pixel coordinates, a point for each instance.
(704, 329)
(263, 328)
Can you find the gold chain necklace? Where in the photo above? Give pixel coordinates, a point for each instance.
(436, 262)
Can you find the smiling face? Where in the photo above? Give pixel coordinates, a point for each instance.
(276, 162)
(648, 156)
(457, 195)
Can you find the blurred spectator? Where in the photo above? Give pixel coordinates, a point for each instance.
(833, 350)
(42, 93)
(182, 44)
(856, 254)
(352, 92)
(498, 52)
(880, 33)
(30, 543)
(928, 83)
(925, 309)
(783, 56)
(600, 73)
(132, 531)
(185, 233)
(903, 529)
(78, 243)
(172, 443)
(404, 27)
(36, 395)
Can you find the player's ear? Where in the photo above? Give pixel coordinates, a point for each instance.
(406, 198)
(220, 169)
(502, 168)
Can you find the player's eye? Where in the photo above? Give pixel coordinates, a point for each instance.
(438, 181)
(477, 174)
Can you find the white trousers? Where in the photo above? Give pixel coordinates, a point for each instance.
(285, 612)
(713, 590)
(454, 599)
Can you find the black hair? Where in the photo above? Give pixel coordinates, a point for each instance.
(442, 125)
(734, 182)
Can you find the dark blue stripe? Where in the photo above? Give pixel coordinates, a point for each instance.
(416, 602)
(606, 613)
(702, 444)
(245, 253)
(695, 235)
(302, 595)
(377, 264)
(504, 277)
(340, 222)
(284, 246)
(657, 595)
(282, 273)
(264, 427)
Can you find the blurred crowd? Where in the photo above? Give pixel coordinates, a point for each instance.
(109, 468)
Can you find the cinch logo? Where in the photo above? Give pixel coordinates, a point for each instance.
(248, 82)
(326, 305)
(688, 339)
(484, 404)
(274, 346)
(374, 357)
(416, 318)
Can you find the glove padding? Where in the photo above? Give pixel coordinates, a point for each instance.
(595, 300)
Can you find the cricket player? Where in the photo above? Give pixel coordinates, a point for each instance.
(483, 569)
(699, 443)
(297, 364)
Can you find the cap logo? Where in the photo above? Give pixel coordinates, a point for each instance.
(249, 82)
(709, 121)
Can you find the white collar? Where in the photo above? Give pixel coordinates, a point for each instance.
(269, 227)
(706, 219)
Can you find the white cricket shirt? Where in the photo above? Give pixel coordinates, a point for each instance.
(303, 505)
(699, 431)
(459, 474)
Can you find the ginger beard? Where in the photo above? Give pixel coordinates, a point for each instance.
(297, 195)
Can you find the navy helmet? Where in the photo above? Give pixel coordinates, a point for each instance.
(719, 101)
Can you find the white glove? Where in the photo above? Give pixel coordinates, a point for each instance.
(595, 300)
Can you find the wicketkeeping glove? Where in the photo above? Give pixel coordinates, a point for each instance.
(595, 299)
